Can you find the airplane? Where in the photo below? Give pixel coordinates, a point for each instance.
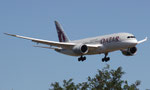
(125, 42)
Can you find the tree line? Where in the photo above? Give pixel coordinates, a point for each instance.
(105, 79)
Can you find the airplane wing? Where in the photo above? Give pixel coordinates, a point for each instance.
(51, 43)
(65, 45)
(142, 40)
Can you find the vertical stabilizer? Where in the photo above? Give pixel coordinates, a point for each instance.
(61, 34)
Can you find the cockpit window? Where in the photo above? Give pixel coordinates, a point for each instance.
(131, 37)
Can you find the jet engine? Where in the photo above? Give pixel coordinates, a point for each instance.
(130, 51)
(80, 49)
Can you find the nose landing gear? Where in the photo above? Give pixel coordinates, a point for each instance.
(105, 59)
(81, 58)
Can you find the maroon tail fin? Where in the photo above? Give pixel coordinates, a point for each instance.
(61, 35)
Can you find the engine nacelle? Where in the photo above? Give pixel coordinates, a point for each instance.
(130, 51)
(80, 49)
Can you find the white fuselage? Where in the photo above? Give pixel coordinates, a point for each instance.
(112, 42)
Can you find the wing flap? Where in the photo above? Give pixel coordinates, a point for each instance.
(47, 47)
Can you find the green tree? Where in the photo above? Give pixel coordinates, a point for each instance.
(105, 79)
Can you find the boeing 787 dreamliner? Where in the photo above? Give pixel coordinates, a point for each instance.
(125, 42)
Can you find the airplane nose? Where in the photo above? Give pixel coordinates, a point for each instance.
(132, 42)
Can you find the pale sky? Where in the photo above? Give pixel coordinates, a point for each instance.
(23, 67)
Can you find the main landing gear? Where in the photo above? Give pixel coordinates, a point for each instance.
(105, 59)
(81, 58)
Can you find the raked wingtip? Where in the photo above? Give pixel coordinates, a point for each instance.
(10, 34)
(142, 40)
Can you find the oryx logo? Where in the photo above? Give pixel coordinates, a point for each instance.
(61, 35)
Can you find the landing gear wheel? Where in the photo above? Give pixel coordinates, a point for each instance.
(105, 59)
(108, 58)
(84, 58)
(81, 58)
